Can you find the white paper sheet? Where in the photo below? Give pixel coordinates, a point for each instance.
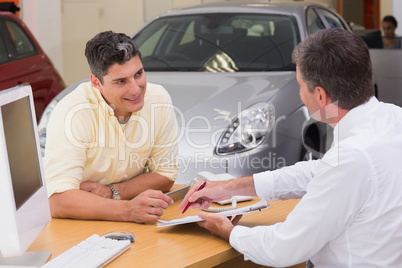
(255, 207)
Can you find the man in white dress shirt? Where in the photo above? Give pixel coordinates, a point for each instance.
(350, 212)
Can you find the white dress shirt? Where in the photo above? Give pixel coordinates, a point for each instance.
(350, 212)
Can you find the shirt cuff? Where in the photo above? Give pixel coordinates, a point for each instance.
(61, 185)
(264, 185)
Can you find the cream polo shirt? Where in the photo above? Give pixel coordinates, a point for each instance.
(86, 142)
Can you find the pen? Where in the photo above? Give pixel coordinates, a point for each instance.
(189, 203)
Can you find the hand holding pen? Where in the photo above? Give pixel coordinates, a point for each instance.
(189, 203)
(201, 195)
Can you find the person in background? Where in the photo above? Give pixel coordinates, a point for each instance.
(390, 40)
(112, 142)
(349, 213)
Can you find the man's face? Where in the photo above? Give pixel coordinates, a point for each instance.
(123, 87)
(307, 97)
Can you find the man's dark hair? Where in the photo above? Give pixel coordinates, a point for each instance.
(108, 48)
(338, 61)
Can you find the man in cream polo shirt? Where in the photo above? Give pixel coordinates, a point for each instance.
(112, 142)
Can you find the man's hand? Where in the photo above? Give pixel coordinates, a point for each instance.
(218, 224)
(148, 206)
(218, 191)
(213, 191)
(96, 188)
(145, 207)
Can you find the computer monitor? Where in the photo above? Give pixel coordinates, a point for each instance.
(371, 37)
(24, 206)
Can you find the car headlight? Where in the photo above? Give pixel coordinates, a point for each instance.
(43, 122)
(248, 130)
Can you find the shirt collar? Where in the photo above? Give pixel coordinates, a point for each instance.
(96, 97)
(352, 118)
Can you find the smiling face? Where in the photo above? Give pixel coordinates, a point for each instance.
(123, 87)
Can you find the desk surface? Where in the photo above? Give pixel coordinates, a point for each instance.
(185, 245)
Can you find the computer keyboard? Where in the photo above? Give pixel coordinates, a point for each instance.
(95, 251)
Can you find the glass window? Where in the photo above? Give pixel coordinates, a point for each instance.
(149, 45)
(314, 23)
(3, 51)
(22, 45)
(219, 43)
(333, 20)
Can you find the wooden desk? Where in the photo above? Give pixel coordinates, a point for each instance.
(185, 245)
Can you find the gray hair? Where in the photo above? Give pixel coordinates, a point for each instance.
(108, 48)
(338, 61)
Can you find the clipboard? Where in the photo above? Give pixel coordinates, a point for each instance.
(178, 193)
(263, 204)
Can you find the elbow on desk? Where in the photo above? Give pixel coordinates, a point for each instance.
(56, 210)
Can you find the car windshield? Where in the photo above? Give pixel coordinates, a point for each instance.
(220, 42)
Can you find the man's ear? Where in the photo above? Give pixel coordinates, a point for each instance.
(95, 82)
(322, 97)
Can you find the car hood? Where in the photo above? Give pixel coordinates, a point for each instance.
(215, 98)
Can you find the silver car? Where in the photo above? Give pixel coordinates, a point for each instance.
(229, 71)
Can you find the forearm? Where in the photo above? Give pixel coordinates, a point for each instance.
(241, 186)
(218, 190)
(79, 204)
(148, 180)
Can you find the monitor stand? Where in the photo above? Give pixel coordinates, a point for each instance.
(30, 258)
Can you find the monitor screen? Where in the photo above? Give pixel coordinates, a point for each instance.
(22, 155)
(24, 205)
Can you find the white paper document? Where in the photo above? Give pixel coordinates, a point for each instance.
(255, 207)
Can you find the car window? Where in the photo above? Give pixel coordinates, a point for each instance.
(314, 23)
(333, 20)
(21, 45)
(219, 43)
(319, 18)
(3, 51)
(150, 43)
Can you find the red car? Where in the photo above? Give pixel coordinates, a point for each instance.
(22, 60)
